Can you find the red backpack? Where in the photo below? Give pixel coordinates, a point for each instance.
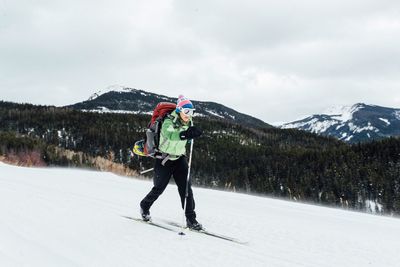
(153, 129)
(161, 111)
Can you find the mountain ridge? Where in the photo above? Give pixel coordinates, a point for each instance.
(357, 123)
(120, 99)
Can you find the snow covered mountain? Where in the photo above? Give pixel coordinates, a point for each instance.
(357, 123)
(120, 99)
(66, 217)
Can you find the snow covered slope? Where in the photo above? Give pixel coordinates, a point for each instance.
(352, 124)
(66, 217)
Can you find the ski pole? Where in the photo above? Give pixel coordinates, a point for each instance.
(187, 188)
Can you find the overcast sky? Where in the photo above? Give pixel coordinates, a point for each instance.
(276, 60)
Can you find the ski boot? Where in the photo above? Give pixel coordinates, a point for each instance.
(145, 215)
(192, 224)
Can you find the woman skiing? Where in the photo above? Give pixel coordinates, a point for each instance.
(176, 130)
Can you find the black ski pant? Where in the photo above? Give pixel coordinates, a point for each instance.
(162, 174)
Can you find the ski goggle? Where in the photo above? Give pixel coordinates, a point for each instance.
(188, 111)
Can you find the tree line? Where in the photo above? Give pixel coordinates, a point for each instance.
(283, 163)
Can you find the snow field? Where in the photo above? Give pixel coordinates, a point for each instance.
(69, 217)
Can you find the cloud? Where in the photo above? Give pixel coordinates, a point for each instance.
(274, 60)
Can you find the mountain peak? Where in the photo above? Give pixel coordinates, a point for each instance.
(356, 123)
(111, 88)
(343, 113)
(122, 99)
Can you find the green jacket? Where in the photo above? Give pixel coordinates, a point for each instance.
(170, 141)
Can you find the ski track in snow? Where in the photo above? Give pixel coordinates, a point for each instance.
(69, 217)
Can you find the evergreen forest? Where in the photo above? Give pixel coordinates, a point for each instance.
(289, 164)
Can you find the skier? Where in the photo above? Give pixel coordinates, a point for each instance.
(176, 130)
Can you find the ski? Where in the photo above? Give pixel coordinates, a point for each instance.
(177, 225)
(224, 237)
(152, 223)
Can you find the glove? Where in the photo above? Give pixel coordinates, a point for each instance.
(191, 133)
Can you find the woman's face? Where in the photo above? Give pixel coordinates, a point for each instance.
(184, 117)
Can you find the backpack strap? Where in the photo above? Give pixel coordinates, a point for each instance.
(165, 157)
(165, 160)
